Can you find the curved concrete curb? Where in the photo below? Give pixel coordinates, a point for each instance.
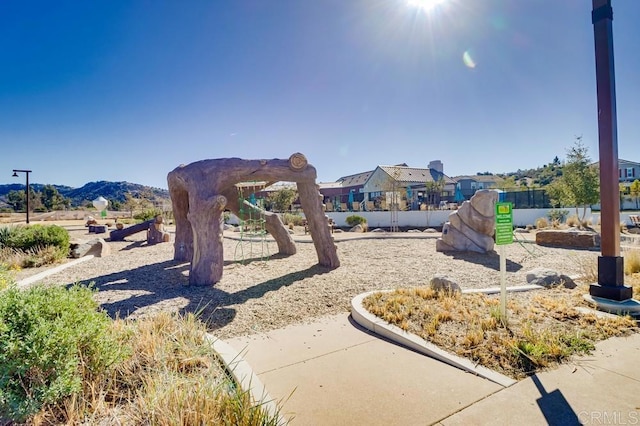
(37, 277)
(398, 335)
(244, 376)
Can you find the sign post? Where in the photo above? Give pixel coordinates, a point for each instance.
(504, 236)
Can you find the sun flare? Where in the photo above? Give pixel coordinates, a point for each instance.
(425, 5)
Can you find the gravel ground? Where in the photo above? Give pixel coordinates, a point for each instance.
(257, 296)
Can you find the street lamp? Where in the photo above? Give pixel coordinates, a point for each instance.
(15, 174)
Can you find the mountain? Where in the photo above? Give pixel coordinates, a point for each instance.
(110, 190)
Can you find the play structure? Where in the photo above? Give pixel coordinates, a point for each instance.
(154, 228)
(253, 232)
(201, 191)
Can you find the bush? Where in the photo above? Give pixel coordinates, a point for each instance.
(557, 215)
(50, 337)
(6, 278)
(542, 223)
(147, 214)
(354, 220)
(631, 262)
(573, 221)
(32, 236)
(293, 218)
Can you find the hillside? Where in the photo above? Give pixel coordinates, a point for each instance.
(110, 190)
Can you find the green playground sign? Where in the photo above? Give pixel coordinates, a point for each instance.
(504, 223)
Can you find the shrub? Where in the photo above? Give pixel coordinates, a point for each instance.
(32, 246)
(293, 218)
(542, 223)
(6, 279)
(631, 262)
(147, 214)
(49, 338)
(28, 237)
(559, 215)
(573, 220)
(354, 220)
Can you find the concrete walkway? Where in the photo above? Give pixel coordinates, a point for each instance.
(333, 372)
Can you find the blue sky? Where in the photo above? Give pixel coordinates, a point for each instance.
(128, 90)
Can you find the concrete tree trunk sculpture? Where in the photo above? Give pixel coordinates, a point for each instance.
(201, 191)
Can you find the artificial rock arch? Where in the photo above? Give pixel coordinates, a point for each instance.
(201, 191)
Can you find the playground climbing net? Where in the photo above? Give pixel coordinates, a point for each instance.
(253, 242)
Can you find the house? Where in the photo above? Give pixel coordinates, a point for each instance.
(468, 185)
(407, 188)
(346, 193)
(628, 171)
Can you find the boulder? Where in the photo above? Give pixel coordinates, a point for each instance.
(357, 228)
(471, 227)
(572, 238)
(484, 202)
(470, 216)
(483, 241)
(444, 283)
(97, 247)
(549, 278)
(430, 231)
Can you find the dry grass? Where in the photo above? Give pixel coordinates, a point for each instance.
(171, 377)
(541, 329)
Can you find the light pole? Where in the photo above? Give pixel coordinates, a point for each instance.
(610, 265)
(15, 174)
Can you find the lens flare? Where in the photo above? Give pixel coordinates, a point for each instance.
(468, 60)
(425, 5)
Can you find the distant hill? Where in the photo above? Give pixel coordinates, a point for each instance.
(110, 190)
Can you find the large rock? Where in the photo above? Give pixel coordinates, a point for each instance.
(549, 278)
(472, 217)
(97, 247)
(484, 202)
(471, 227)
(571, 238)
(443, 283)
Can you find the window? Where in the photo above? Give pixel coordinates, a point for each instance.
(480, 185)
(630, 172)
(473, 185)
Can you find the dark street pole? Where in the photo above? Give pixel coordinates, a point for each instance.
(610, 264)
(15, 174)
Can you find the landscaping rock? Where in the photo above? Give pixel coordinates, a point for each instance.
(357, 228)
(471, 227)
(549, 278)
(414, 231)
(444, 283)
(378, 230)
(97, 247)
(430, 231)
(572, 238)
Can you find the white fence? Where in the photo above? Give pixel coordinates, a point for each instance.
(436, 218)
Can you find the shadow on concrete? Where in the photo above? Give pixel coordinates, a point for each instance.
(554, 406)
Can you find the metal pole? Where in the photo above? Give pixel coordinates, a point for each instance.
(15, 174)
(610, 265)
(27, 173)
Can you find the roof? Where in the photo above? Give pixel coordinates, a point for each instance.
(412, 175)
(480, 178)
(327, 185)
(355, 180)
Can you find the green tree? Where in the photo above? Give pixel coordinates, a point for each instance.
(282, 199)
(579, 184)
(634, 190)
(52, 199)
(433, 189)
(17, 200)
